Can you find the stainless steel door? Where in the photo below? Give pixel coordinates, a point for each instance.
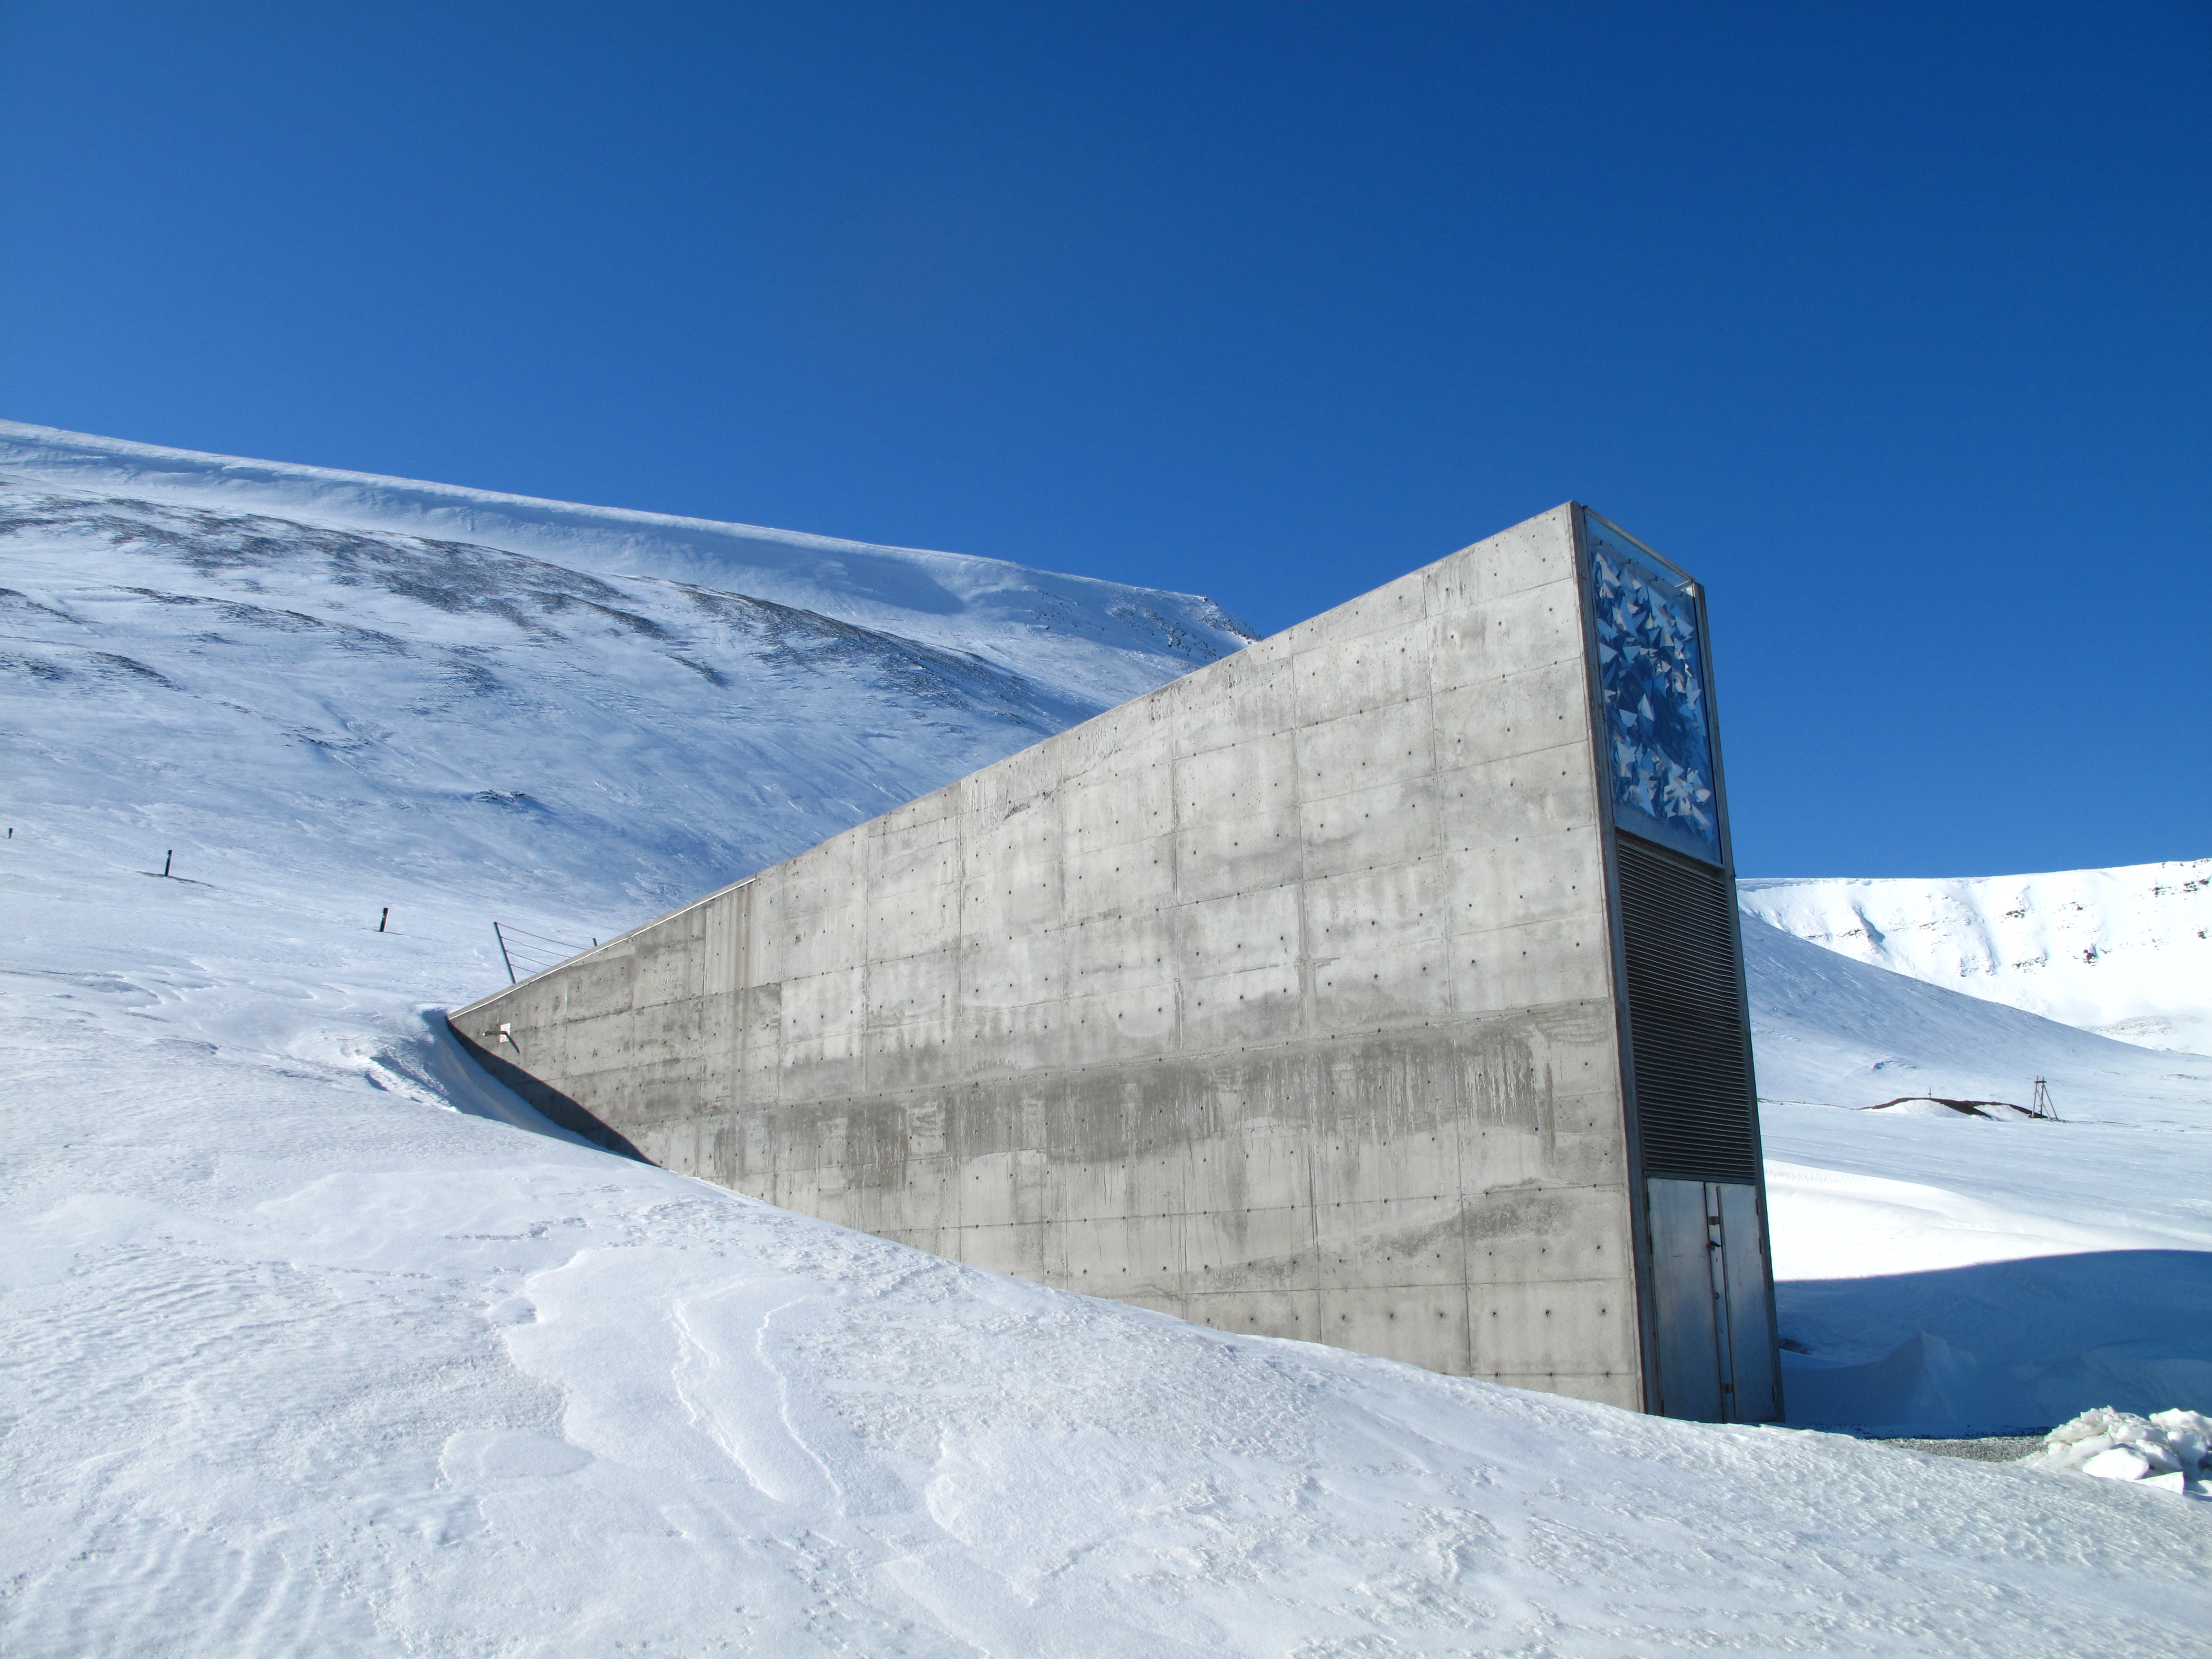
(1715, 1336)
(1754, 1361)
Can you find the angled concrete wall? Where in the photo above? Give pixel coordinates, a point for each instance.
(1282, 999)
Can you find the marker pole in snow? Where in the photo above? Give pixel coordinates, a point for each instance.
(168, 859)
(503, 955)
(385, 917)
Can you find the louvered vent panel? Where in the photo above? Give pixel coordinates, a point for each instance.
(1693, 1091)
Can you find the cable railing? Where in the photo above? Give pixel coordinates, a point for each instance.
(526, 953)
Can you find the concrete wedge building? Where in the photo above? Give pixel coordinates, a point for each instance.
(1379, 985)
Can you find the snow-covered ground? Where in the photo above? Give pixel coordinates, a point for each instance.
(314, 1339)
(297, 1359)
(2127, 951)
(1949, 1274)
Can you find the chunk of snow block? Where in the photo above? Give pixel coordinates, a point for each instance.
(2169, 1450)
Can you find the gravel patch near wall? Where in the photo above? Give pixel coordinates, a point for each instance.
(1990, 1449)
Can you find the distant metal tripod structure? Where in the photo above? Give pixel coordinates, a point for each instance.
(2044, 1106)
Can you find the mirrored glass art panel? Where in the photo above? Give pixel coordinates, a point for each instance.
(1651, 669)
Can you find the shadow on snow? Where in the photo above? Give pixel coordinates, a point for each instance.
(2000, 1347)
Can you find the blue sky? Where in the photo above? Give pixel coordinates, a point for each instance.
(1890, 322)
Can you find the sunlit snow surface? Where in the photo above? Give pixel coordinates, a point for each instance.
(296, 1356)
(296, 1360)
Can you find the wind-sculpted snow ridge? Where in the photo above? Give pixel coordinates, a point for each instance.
(297, 1360)
(2126, 953)
(1080, 640)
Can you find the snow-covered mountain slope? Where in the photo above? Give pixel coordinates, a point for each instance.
(255, 684)
(2126, 953)
(1073, 638)
(1832, 1030)
(295, 1361)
